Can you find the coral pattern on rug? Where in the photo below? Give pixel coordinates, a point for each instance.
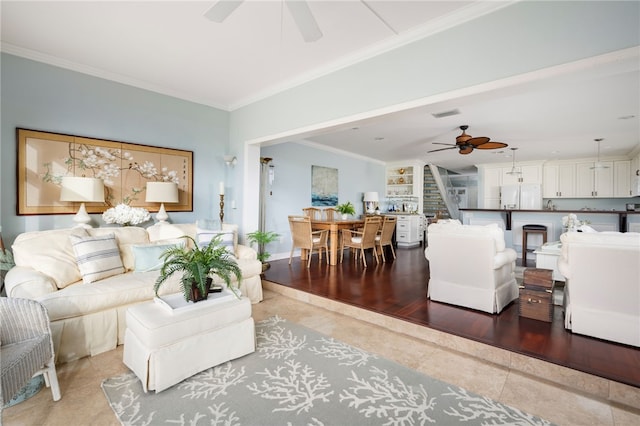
(300, 377)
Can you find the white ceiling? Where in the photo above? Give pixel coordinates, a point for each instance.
(171, 48)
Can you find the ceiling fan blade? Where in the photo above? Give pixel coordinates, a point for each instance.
(222, 9)
(442, 149)
(478, 141)
(305, 21)
(440, 143)
(466, 149)
(492, 145)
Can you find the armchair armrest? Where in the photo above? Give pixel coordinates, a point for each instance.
(27, 283)
(504, 257)
(246, 252)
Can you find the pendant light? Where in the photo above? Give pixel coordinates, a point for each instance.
(514, 171)
(598, 164)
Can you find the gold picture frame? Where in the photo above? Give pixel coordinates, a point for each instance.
(44, 158)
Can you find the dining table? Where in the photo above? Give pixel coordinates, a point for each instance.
(334, 227)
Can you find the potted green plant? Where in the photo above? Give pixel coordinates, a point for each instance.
(262, 238)
(346, 209)
(197, 265)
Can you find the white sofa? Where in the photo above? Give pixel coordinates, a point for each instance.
(89, 318)
(470, 266)
(602, 291)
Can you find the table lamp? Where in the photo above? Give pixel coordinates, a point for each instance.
(370, 202)
(82, 189)
(162, 192)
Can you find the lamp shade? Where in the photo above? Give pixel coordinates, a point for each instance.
(81, 189)
(370, 196)
(162, 192)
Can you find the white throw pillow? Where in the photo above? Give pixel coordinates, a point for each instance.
(97, 257)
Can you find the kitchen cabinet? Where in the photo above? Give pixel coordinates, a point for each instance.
(409, 230)
(528, 174)
(594, 182)
(622, 178)
(559, 181)
(493, 176)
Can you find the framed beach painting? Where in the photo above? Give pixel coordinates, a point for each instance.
(44, 158)
(324, 186)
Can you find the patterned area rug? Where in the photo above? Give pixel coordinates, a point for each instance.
(300, 377)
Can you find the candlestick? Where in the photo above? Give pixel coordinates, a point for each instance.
(221, 188)
(221, 209)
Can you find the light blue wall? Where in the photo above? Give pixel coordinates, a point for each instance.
(42, 97)
(291, 189)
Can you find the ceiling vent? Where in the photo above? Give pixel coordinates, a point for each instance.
(446, 113)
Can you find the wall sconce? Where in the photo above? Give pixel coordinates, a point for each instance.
(231, 160)
(162, 192)
(82, 189)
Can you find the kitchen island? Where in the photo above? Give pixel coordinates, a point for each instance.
(620, 217)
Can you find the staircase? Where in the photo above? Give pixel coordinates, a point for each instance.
(434, 203)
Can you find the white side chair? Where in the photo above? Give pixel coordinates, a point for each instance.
(470, 266)
(26, 348)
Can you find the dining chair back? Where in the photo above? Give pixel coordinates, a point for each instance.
(385, 235)
(305, 239)
(329, 213)
(313, 212)
(362, 240)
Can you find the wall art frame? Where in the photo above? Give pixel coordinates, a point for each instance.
(45, 157)
(324, 186)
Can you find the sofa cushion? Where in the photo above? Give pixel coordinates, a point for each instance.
(112, 292)
(98, 257)
(126, 236)
(49, 252)
(148, 257)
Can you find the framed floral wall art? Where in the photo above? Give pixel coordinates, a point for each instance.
(44, 158)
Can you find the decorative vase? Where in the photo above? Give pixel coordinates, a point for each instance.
(195, 295)
(345, 216)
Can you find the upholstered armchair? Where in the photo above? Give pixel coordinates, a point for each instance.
(602, 290)
(470, 266)
(26, 348)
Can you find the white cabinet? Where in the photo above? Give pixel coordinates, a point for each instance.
(622, 178)
(493, 176)
(559, 181)
(404, 183)
(594, 181)
(409, 230)
(635, 176)
(528, 174)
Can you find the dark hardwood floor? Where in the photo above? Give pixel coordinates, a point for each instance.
(398, 288)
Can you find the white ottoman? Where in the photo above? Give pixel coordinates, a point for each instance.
(164, 347)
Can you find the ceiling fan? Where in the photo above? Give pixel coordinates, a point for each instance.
(467, 143)
(299, 10)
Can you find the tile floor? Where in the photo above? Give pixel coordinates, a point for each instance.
(83, 401)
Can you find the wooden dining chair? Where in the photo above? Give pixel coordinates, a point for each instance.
(313, 212)
(304, 238)
(329, 213)
(362, 240)
(385, 235)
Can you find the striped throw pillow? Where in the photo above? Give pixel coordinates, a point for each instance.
(97, 257)
(204, 237)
